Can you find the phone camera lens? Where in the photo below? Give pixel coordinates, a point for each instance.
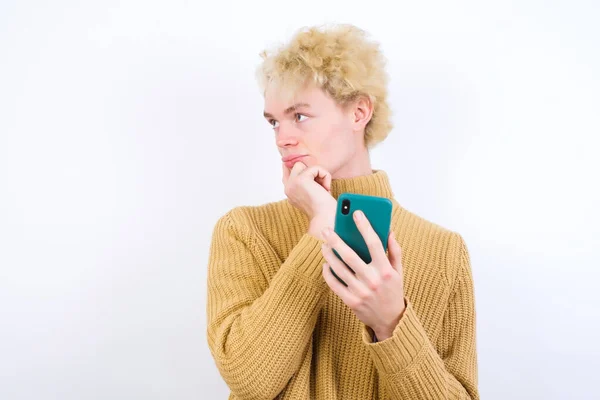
(345, 207)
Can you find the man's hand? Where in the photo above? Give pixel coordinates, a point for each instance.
(309, 189)
(376, 292)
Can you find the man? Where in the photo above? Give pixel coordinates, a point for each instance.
(280, 325)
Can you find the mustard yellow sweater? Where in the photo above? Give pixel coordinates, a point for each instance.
(277, 331)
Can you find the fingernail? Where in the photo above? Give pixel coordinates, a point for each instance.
(358, 214)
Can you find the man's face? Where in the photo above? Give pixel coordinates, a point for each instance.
(311, 125)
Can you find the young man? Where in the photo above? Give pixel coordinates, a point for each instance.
(280, 325)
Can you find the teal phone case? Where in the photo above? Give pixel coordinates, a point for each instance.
(378, 211)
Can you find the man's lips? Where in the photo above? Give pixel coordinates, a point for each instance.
(292, 159)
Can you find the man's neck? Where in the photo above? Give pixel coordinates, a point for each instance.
(358, 166)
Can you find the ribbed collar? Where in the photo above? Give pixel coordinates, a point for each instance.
(375, 184)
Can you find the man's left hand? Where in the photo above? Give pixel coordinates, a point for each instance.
(375, 293)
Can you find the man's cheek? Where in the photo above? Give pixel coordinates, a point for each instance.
(327, 147)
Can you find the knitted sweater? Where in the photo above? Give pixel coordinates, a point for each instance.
(276, 330)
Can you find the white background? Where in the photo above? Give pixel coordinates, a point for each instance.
(127, 128)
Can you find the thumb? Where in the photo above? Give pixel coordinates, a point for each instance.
(394, 253)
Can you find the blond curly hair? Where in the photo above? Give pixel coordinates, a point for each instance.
(340, 60)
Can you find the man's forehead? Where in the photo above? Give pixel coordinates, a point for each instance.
(278, 100)
(279, 105)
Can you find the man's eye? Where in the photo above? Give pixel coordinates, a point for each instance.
(299, 117)
(273, 123)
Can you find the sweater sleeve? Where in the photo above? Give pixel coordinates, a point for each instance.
(411, 365)
(257, 331)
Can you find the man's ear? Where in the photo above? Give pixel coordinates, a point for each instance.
(362, 111)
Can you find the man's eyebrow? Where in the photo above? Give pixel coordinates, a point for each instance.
(288, 110)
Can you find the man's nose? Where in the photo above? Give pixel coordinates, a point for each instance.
(286, 135)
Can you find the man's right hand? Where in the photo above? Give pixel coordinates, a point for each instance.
(309, 189)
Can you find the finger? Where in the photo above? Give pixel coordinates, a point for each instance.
(341, 270)
(348, 255)
(327, 182)
(368, 233)
(324, 179)
(394, 253)
(320, 175)
(297, 169)
(337, 287)
(286, 173)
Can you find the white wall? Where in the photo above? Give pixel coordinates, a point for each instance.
(109, 187)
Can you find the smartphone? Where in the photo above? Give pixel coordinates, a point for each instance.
(377, 210)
